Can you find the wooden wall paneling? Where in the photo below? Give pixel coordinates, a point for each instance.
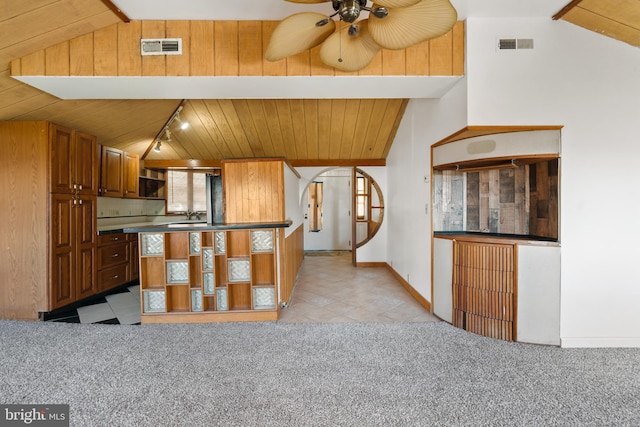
(441, 55)
(506, 189)
(106, 56)
(291, 258)
(154, 65)
(399, 114)
(220, 130)
(553, 198)
(417, 59)
(228, 109)
(379, 108)
(352, 108)
(458, 49)
(226, 48)
(521, 200)
(250, 48)
(311, 126)
(270, 111)
(374, 68)
(299, 64)
(278, 68)
(204, 128)
(178, 65)
(324, 127)
(298, 119)
(246, 123)
(365, 113)
(338, 121)
(387, 126)
(473, 201)
(484, 201)
(259, 119)
(317, 67)
(24, 290)
(57, 59)
(286, 120)
(81, 57)
(394, 62)
(34, 64)
(201, 48)
(216, 109)
(128, 47)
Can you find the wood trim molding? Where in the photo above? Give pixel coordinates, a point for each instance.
(473, 131)
(115, 9)
(419, 298)
(337, 162)
(566, 9)
(182, 164)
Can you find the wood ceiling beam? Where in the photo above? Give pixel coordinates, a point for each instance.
(566, 9)
(115, 9)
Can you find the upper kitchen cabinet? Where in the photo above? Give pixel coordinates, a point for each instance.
(74, 161)
(119, 173)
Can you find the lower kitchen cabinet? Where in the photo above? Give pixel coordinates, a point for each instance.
(114, 257)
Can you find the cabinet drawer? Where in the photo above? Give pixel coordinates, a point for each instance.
(113, 254)
(107, 239)
(112, 277)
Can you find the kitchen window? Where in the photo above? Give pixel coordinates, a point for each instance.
(186, 192)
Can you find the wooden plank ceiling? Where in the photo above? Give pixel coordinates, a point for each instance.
(302, 130)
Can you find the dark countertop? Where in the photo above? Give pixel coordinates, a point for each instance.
(497, 237)
(202, 226)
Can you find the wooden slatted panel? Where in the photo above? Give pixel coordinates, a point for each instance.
(484, 289)
(232, 48)
(253, 190)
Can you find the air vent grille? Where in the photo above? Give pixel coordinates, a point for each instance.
(515, 44)
(161, 46)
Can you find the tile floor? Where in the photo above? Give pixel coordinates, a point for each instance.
(329, 289)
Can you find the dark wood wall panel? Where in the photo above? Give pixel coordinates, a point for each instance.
(543, 187)
(484, 289)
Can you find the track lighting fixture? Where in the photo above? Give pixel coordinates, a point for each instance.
(183, 125)
(157, 147)
(167, 135)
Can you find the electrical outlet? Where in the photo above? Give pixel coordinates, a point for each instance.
(426, 179)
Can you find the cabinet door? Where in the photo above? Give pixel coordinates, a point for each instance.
(62, 285)
(61, 149)
(87, 159)
(131, 174)
(86, 237)
(112, 162)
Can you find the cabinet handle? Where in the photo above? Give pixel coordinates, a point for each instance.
(74, 202)
(114, 277)
(79, 202)
(80, 187)
(113, 239)
(115, 255)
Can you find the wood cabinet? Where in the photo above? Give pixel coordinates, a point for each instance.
(131, 172)
(49, 177)
(119, 172)
(208, 276)
(151, 184)
(113, 261)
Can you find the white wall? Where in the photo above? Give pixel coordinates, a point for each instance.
(591, 85)
(425, 122)
(375, 250)
(291, 206)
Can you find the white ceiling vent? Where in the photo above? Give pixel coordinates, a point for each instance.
(161, 46)
(515, 44)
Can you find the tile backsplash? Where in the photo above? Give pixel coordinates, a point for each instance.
(111, 207)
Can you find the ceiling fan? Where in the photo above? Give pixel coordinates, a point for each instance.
(391, 24)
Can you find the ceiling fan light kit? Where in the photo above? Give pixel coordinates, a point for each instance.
(391, 24)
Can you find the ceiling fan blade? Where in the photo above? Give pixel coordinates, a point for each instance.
(308, 1)
(406, 26)
(349, 52)
(298, 33)
(396, 3)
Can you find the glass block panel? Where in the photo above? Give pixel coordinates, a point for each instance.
(262, 240)
(154, 302)
(177, 272)
(152, 244)
(196, 300)
(239, 270)
(264, 298)
(209, 284)
(207, 259)
(221, 299)
(194, 243)
(220, 243)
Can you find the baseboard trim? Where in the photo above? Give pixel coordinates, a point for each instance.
(600, 342)
(421, 300)
(371, 264)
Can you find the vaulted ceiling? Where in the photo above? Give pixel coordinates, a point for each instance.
(306, 129)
